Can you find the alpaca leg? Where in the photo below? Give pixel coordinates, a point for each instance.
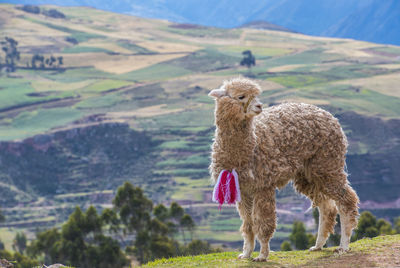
(245, 207)
(348, 211)
(327, 220)
(264, 219)
(347, 202)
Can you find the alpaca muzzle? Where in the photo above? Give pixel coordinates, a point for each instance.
(246, 105)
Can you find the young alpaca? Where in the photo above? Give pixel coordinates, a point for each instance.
(289, 142)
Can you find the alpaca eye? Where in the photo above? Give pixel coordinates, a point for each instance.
(241, 97)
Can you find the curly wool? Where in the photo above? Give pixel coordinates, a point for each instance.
(289, 142)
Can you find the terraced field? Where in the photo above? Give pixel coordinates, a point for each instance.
(125, 79)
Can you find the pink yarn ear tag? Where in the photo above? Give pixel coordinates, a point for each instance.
(227, 190)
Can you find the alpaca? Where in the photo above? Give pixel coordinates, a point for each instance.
(289, 142)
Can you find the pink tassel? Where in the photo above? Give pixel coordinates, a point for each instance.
(238, 195)
(226, 190)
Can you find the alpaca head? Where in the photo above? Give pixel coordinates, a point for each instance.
(237, 99)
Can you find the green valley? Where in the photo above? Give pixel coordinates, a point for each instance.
(129, 103)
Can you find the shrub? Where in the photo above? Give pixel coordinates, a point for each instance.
(30, 9)
(54, 13)
(285, 246)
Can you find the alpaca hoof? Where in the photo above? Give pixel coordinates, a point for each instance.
(341, 250)
(314, 248)
(243, 256)
(260, 259)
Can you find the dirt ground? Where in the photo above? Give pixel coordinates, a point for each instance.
(384, 256)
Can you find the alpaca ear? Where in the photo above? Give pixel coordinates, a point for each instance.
(217, 93)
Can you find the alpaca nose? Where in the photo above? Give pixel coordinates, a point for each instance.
(259, 106)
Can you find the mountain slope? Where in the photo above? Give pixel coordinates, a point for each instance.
(369, 20)
(378, 22)
(129, 102)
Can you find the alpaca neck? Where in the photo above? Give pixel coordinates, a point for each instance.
(236, 140)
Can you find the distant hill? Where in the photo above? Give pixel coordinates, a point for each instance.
(368, 20)
(378, 22)
(264, 25)
(129, 103)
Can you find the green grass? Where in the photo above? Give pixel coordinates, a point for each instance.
(192, 160)
(206, 32)
(230, 224)
(191, 118)
(388, 49)
(28, 124)
(7, 236)
(14, 91)
(360, 100)
(74, 195)
(105, 85)
(190, 189)
(78, 74)
(84, 49)
(78, 35)
(276, 259)
(157, 72)
(186, 172)
(97, 102)
(311, 56)
(205, 60)
(135, 48)
(258, 52)
(296, 81)
(351, 72)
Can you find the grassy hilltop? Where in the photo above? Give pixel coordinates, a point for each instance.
(376, 252)
(130, 103)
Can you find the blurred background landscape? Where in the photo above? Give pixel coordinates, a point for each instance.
(96, 93)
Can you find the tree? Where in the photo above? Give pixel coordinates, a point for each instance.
(9, 46)
(47, 243)
(197, 247)
(141, 247)
(384, 227)
(49, 61)
(2, 218)
(153, 242)
(366, 221)
(176, 211)
(18, 260)
(81, 243)
(30, 8)
(60, 61)
(19, 243)
(37, 58)
(109, 217)
(133, 207)
(311, 239)
(371, 231)
(134, 210)
(161, 212)
(298, 236)
(187, 223)
(248, 59)
(397, 225)
(315, 214)
(285, 246)
(54, 13)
